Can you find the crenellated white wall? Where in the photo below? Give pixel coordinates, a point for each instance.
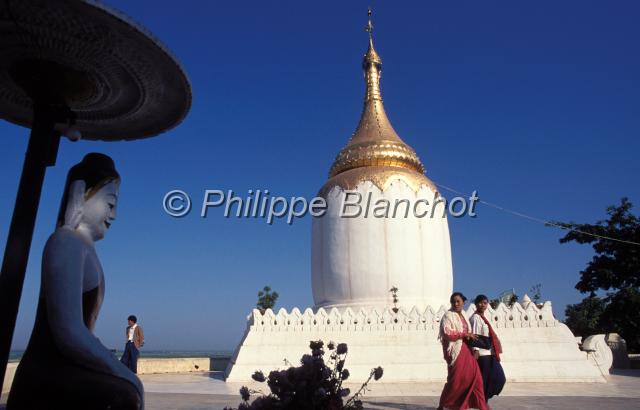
(355, 261)
(537, 347)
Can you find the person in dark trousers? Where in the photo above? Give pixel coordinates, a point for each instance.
(134, 341)
(493, 377)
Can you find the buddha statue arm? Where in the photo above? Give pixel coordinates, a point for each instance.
(63, 272)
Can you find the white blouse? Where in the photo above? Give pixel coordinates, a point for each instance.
(478, 327)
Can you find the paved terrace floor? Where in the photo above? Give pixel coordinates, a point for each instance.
(208, 391)
(196, 391)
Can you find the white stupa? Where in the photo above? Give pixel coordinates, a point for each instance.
(356, 260)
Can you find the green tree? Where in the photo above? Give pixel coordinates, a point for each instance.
(614, 270)
(536, 293)
(266, 299)
(584, 318)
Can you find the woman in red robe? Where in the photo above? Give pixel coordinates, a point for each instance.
(464, 387)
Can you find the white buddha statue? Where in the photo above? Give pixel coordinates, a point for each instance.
(65, 365)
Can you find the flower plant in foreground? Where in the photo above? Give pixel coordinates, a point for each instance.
(313, 385)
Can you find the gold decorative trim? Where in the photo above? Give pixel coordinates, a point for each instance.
(380, 153)
(380, 176)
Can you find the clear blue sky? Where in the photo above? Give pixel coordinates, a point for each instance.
(533, 104)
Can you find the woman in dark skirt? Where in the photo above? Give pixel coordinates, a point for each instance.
(493, 376)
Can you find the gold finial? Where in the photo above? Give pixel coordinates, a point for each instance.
(372, 66)
(371, 56)
(375, 146)
(369, 27)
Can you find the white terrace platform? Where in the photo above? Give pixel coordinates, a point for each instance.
(537, 347)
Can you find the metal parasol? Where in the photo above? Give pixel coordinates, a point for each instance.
(74, 67)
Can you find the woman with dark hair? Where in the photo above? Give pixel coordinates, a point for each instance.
(464, 388)
(493, 377)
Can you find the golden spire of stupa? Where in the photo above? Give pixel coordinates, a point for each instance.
(374, 143)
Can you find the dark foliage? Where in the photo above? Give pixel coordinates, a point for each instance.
(584, 318)
(616, 264)
(536, 293)
(621, 316)
(314, 385)
(615, 269)
(266, 299)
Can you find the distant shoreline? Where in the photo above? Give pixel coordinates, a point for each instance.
(15, 355)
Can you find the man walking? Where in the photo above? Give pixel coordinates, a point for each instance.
(135, 339)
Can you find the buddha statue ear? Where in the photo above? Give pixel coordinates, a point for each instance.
(75, 204)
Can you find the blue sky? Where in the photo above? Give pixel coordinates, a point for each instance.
(533, 104)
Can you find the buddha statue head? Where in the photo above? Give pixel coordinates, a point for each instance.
(90, 196)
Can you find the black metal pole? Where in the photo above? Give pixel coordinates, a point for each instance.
(41, 153)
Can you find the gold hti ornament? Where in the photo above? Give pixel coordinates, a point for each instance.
(375, 152)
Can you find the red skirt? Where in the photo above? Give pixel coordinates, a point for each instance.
(464, 387)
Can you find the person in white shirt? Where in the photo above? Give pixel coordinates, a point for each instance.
(493, 376)
(134, 341)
